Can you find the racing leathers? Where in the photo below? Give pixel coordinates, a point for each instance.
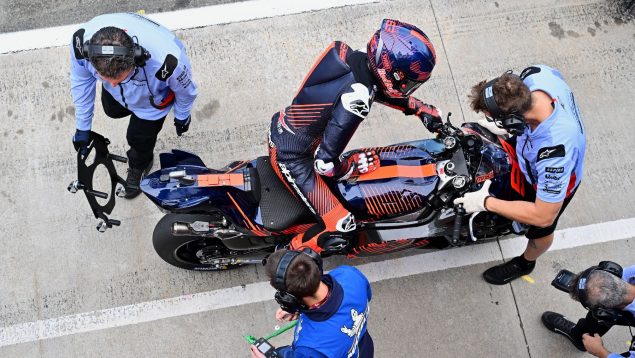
(165, 81)
(307, 138)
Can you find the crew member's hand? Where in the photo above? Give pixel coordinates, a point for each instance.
(593, 345)
(492, 127)
(80, 141)
(182, 125)
(475, 201)
(282, 315)
(361, 162)
(255, 353)
(430, 116)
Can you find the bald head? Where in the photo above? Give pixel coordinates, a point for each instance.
(606, 290)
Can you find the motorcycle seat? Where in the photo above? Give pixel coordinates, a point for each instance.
(279, 208)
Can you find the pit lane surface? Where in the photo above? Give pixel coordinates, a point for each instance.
(54, 264)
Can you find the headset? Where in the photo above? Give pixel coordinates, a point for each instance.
(137, 52)
(514, 123)
(567, 281)
(286, 300)
(139, 56)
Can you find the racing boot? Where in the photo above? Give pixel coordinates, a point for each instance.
(133, 180)
(326, 240)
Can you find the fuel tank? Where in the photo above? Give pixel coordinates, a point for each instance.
(407, 175)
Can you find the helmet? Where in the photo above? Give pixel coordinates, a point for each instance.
(401, 57)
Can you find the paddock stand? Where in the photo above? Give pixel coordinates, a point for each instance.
(84, 180)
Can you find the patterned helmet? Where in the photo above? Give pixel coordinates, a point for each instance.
(401, 57)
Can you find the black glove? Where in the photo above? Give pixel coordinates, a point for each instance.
(182, 125)
(431, 117)
(80, 141)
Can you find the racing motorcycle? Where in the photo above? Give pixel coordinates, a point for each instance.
(218, 219)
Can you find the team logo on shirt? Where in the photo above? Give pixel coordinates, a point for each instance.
(78, 44)
(166, 69)
(550, 152)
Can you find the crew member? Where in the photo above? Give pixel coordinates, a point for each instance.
(144, 73)
(540, 111)
(331, 309)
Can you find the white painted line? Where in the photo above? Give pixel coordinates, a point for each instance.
(180, 19)
(261, 291)
(577, 236)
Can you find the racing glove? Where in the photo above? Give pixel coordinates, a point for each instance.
(361, 162)
(80, 141)
(430, 116)
(475, 201)
(492, 127)
(182, 125)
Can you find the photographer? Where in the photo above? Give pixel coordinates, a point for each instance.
(608, 292)
(331, 309)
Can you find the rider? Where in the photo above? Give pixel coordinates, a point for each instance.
(306, 139)
(539, 107)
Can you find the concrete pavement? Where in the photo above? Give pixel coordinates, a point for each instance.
(53, 263)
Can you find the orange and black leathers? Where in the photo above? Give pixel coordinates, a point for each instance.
(333, 100)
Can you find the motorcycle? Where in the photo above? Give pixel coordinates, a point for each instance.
(218, 219)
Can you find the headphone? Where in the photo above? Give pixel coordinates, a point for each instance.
(138, 54)
(139, 57)
(513, 122)
(286, 300)
(565, 281)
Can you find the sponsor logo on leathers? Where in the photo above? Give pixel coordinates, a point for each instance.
(356, 102)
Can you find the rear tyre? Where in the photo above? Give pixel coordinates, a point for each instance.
(190, 252)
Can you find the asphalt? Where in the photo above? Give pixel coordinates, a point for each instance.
(37, 14)
(53, 263)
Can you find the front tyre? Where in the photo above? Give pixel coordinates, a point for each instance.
(190, 252)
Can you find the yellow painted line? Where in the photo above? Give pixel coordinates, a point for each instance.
(141, 12)
(528, 279)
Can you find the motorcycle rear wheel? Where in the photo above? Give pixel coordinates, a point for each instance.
(190, 252)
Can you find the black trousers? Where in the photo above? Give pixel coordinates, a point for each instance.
(141, 134)
(588, 325)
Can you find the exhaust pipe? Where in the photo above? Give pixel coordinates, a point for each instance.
(181, 229)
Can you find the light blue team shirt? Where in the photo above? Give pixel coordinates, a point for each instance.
(167, 70)
(552, 155)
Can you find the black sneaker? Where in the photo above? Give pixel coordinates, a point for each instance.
(508, 271)
(133, 180)
(555, 322)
